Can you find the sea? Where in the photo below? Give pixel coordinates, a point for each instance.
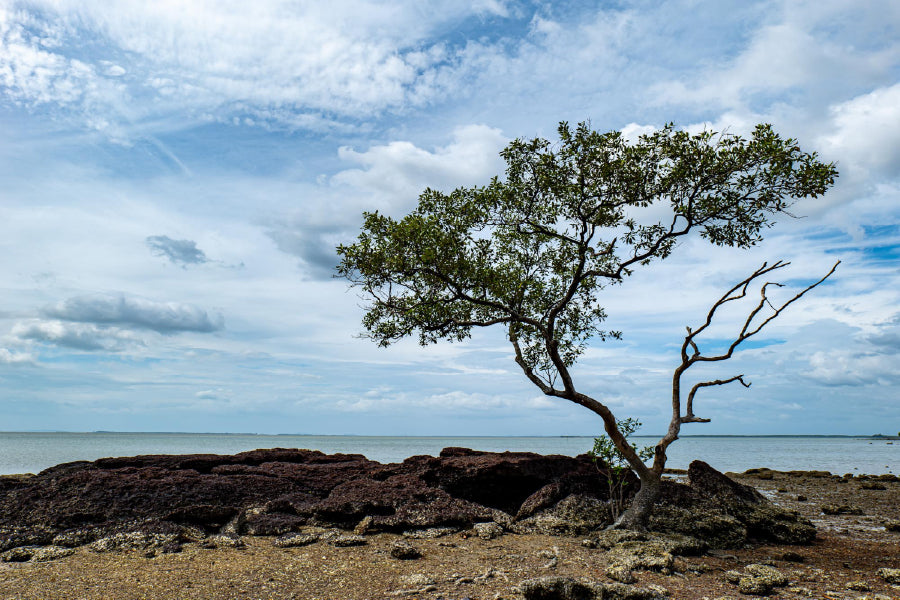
(32, 452)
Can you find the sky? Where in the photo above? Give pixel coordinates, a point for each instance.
(175, 176)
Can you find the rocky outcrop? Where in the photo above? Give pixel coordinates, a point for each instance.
(724, 513)
(280, 492)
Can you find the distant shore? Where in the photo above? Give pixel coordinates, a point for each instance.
(22, 452)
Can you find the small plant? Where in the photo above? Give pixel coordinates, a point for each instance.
(617, 469)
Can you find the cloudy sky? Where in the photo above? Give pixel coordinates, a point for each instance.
(175, 175)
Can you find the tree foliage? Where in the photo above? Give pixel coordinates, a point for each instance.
(532, 251)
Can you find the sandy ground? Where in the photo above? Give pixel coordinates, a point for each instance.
(848, 553)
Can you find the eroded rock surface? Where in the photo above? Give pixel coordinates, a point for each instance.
(280, 492)
(724, 513)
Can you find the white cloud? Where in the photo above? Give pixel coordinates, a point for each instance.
(633, 131)
(8, 357)
(399, 171)
(817, 49)
(845, 368)
(162, 317)
(391, 178)
(350, 57)
(866, 132)
(387, 399)
(78, 336)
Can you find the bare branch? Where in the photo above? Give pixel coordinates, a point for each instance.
(689, 417)
(736, 292)
(746, 332)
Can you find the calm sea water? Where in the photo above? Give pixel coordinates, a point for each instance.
(33, 452)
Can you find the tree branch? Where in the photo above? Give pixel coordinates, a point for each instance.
(745, 334)
(736, 292)
(689, 417)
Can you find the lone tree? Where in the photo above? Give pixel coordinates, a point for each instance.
(531, 252)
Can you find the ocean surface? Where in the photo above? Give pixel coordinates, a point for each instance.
(22, 452)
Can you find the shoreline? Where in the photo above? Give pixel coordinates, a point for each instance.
(34, 452)
(304, 525)
(844, 561)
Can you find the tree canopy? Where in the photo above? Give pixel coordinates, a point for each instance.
(533, 250)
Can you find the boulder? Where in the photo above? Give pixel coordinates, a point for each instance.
(724, 513)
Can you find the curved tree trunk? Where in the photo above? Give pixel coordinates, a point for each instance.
(637, 515)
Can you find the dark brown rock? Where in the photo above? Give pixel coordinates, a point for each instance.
(711, 483)
(505, 480)
(279, 491)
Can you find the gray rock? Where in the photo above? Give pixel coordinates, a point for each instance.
(892, 576)
(77, 537)
(416, 580)
(574, 515)
(364, 526)
(403, 550)
(568, 588)
(840, 509)
(608, 538)
(757, 579)
(345, 541)
(135, 540)
(627, 557)
(430, 533)
(768, 573)
(20, 554)
(858, 586)
(294, 540)
(718, 529)
(488, 531)
(222, 541)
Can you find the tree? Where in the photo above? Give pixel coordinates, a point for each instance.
(533, 251)
(614, 466)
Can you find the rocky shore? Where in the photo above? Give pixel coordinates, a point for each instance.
(301, 524)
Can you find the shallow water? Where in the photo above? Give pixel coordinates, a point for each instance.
(22, 452)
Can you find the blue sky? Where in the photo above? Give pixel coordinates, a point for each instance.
(174, 177)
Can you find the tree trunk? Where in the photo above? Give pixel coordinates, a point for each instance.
(637, 515)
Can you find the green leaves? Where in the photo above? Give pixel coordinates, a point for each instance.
(532, 251)
(610, 459)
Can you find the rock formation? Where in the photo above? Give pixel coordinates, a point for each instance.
(281, 491)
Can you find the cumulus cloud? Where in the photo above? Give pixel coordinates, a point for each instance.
(887, 337)
(797, 52)
(78, 336)
(402, 170)
(847, 368)
(8, 357)
(866, 131)
(184, 252)
(385, 398)
(390, 178)
(131, 312)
